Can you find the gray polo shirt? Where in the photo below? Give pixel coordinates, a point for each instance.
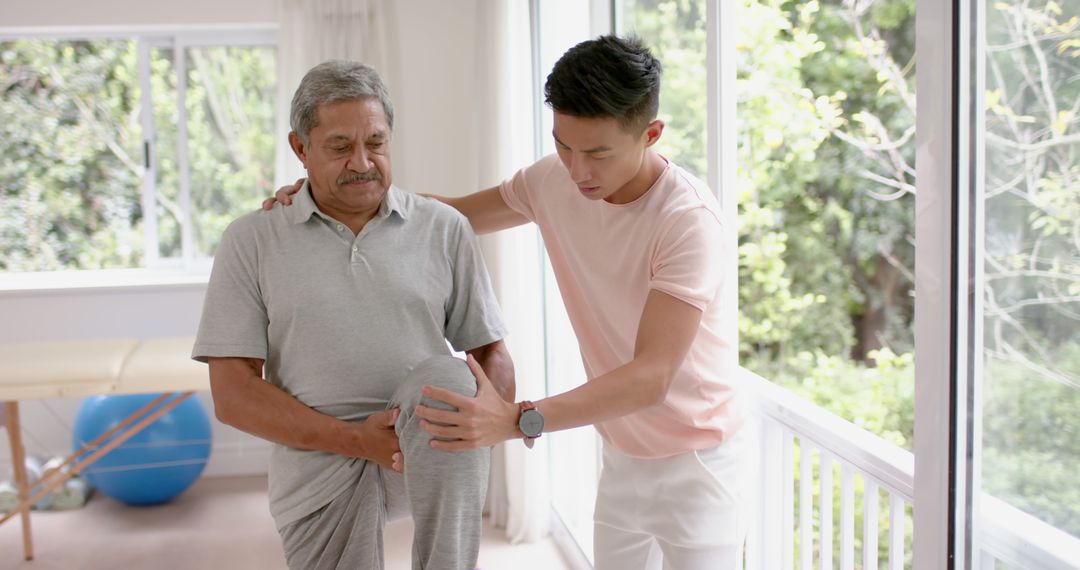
(340, 319)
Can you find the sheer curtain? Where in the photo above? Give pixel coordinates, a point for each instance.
(313, 31)
(519, 498)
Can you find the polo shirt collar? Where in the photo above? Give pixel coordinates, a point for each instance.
(304, 207)
(393, 203)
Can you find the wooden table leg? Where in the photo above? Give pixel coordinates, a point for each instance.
(18, 460)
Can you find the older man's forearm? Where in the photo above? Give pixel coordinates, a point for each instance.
(495, 359)
(242, 399)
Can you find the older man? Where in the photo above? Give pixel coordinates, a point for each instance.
(346, 302)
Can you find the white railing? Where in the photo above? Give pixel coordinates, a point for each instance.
(797, 434)
(795, 430)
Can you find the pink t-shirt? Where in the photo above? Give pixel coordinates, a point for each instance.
(606, 258)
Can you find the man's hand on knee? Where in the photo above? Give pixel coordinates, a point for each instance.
(380, 439)
(478, 422)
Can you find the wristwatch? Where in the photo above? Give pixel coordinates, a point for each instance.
(530, 422)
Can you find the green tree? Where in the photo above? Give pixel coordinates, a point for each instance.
(71, 166)
(71, 179)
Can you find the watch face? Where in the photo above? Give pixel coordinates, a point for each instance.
(531, 423)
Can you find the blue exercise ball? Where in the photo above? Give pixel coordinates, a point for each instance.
(155, 465)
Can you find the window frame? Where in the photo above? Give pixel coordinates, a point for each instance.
(941, 262)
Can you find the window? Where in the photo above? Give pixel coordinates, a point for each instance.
(131, 151)
(1030, 382)
(826, 147)
(675, 31)
(826, 123)
(825, 183)
(574, 455)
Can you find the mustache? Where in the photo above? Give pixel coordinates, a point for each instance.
(360, 177)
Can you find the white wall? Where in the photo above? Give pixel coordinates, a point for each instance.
(21, 13)
(435, 98)
(433, 152)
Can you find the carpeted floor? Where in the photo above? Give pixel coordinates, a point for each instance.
(219, 523)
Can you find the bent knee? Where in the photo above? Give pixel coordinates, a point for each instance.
(444, 372)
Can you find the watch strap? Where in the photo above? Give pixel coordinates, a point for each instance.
(524, 406)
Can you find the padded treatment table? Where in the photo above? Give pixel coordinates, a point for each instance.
(76, 369)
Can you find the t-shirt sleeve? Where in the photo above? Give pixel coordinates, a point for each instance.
(473, 318)
(689, 259)
(234, 318)
(516, 192)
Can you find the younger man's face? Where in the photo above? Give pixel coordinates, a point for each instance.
(600, 155)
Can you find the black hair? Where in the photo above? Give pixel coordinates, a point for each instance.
(607, 77)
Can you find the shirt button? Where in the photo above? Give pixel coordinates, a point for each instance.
(341, 228)
(354, 248)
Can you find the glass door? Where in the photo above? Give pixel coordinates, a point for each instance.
(1026, 377)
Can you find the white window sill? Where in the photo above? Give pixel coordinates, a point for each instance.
(35, 282)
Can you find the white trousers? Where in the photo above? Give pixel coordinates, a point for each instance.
(687, 512)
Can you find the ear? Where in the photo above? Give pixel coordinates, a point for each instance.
(653, 131)
(298, 147)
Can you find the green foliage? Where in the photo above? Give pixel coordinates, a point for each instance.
(854, 246)
(71, 180)
(675, 31)
(1031, 440)
(233, 115)
(877, 398)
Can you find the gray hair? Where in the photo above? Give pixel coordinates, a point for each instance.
(332, 81)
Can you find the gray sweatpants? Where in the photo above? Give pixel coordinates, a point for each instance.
(443, 491)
